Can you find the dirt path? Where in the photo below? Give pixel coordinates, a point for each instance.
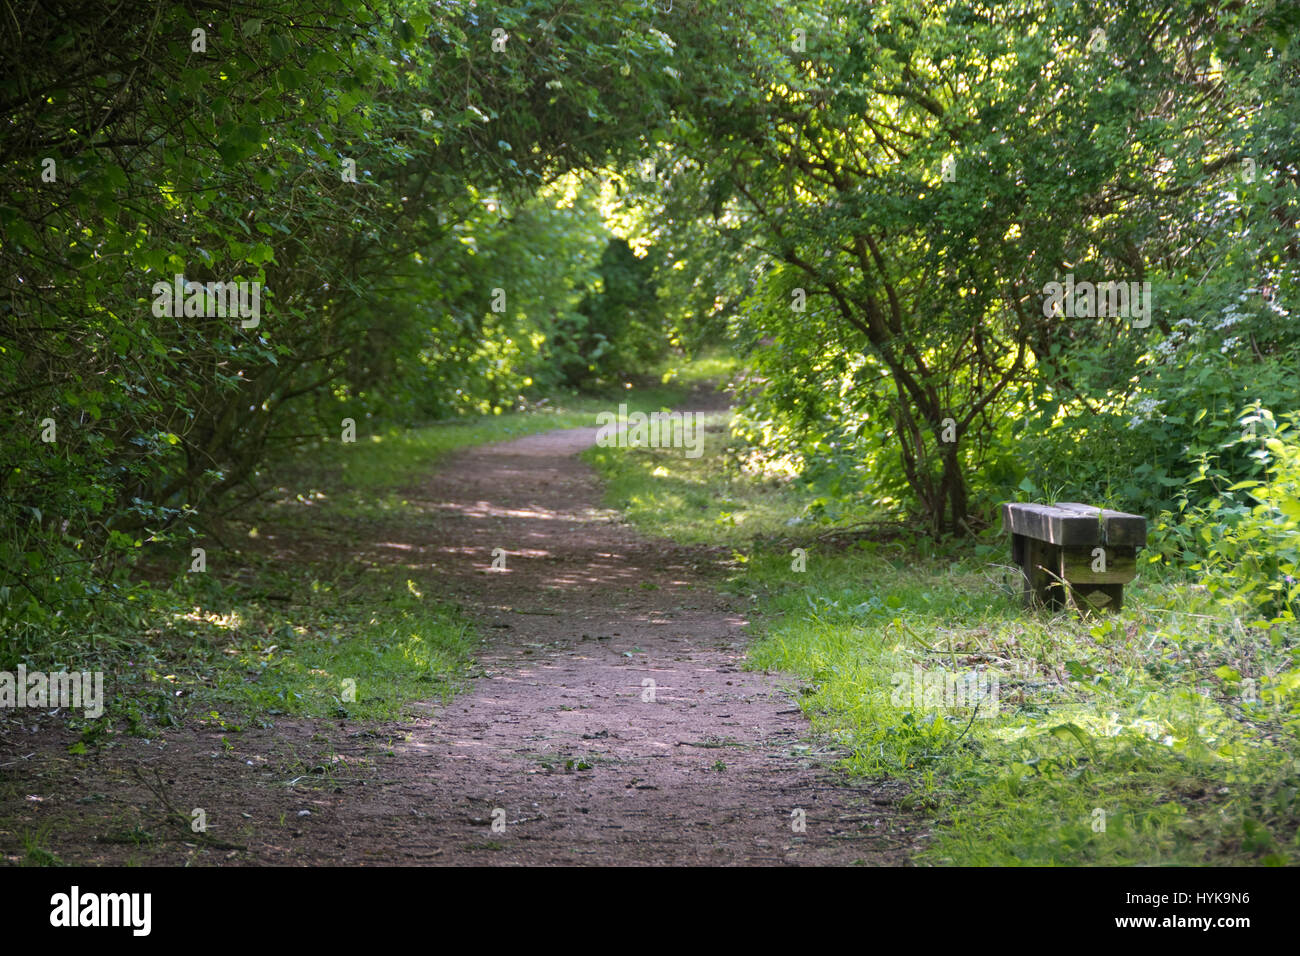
(585, 614)
(560, 737)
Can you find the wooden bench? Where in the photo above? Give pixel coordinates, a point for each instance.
(1073, 553)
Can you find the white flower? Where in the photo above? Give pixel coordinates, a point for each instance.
(1149, 405)
(1145, 408)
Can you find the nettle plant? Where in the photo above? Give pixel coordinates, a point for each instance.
(1245, 541)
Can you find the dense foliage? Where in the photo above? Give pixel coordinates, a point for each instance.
(919, 174)
(374, 168)
(449, 206)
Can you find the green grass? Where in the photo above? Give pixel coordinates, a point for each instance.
(1120, 740)
(277, 638)
(35, 853)
(698, 500)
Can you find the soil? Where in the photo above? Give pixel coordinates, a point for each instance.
(559, 752)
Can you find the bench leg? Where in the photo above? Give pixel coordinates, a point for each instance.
(1042, 569)
(1018, 546)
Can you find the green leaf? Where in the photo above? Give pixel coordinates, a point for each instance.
(1078, 733)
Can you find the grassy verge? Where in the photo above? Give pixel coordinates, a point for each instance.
(1031, 739)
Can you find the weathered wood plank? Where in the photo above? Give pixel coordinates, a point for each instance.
(1118, 527)
(1053, 525)
(1071, 524)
